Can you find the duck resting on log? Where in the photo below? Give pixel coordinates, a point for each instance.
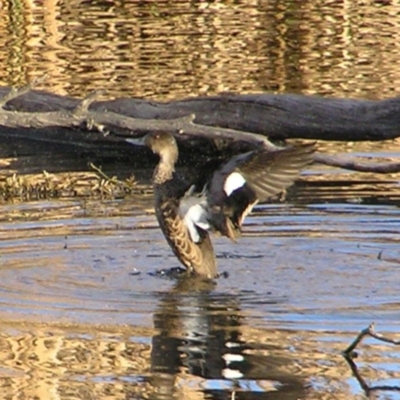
(218, 200)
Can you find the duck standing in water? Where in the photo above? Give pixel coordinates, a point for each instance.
(186, 213)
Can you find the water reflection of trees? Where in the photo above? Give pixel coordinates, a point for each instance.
(314, 47)
(199, 341)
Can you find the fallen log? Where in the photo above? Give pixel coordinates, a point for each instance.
(283, 116)
(34, 122)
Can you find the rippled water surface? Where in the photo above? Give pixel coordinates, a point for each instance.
(170, 49)
(82, 316)
(82, 311)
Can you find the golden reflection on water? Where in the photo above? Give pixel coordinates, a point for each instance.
(82, 362)
(113, 335)
(61, 361)
(173, 49)
(51, 362)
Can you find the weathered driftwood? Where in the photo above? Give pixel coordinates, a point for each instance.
(280, 116)
(32, 121)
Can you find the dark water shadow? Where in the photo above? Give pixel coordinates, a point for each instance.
(200, 335)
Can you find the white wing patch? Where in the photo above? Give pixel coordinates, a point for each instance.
(193, 211)
(233, 181)
(196, 216)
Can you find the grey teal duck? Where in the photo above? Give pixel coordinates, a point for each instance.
(187, 213)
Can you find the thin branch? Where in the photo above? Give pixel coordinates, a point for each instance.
(182, 125)
(82, 109)
(334, 161)
(106, 177)
(18, 92)
(13, 93)
(370, 331)
(364, 385)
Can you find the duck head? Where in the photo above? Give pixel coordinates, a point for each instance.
(160, 143)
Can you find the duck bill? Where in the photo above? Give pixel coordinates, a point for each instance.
(137, 141)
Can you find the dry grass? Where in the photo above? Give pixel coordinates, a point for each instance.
(96, 184)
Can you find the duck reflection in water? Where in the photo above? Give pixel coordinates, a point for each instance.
(199, 347)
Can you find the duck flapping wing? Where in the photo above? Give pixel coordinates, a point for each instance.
(251, 178)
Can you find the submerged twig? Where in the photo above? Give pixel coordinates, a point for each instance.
(349, 355)
(364, 385)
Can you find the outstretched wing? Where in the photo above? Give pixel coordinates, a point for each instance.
(250, 178)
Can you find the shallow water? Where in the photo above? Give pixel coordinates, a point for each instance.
(81, 310)
(81, 318)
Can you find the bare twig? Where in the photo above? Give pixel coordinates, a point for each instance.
(18, 92)
(82, 108)
(99, 171)
(349, 354)
(370, 331)
(182, 125)
(106, 177)
(13, 94)
(381, 168)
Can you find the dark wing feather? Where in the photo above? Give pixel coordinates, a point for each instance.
(269, 173)
(266, 174)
